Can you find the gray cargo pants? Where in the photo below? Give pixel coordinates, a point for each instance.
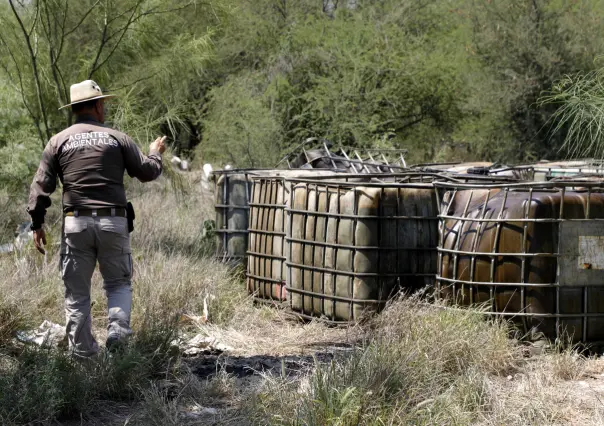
(86, 240)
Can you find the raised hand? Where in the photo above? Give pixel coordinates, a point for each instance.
(158, 145)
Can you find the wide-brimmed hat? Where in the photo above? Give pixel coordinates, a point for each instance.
(85, 91)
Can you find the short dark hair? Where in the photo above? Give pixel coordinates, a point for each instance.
(83, 106)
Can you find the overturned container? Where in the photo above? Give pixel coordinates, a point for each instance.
(531, 252)
(353, 245)
(545, 171)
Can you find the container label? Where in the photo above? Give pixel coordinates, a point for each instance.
(591, 252)
(581, 257)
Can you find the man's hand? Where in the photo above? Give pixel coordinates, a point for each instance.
(40, 240)
(158, 145)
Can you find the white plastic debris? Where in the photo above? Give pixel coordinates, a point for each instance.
(197, 412)
(23, 235)
(175, 161)
(22, 240)
(179, 163)
(47, 335)
(206, 175)
(207, 170)
(7, 248)
(206, 311)
(203, 344)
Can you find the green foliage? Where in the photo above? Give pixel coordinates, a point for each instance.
(449, 80)
(135, 48)
(354, 82)
(247, 80)
(526, 47)
(580, 114)
(43, 385)
(18, 143)
(19, 156)
(241, 129)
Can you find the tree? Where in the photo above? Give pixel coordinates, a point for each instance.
(527, 46)
(47, 45)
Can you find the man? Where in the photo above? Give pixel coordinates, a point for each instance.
(90, 159)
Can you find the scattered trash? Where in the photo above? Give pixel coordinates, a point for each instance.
(47, 335)
(7, 248)
(206, 311)
(175, 161)
(207, 170)
(197, 412)
(193, 319)
(205, 176)
(179, 163)
(203, 344)
(198, 319)
(23, 235)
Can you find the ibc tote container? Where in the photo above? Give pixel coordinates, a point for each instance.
(353, 245)
(567, 169)
(266, 233)
(532, 252)
(232, 198)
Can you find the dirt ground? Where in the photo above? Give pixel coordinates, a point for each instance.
(276, 345)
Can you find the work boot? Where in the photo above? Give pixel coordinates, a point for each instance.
(89, 359)
(114, 343)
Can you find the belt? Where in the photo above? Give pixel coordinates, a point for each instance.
(108, 211)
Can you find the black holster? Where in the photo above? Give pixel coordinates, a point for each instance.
(131, 216)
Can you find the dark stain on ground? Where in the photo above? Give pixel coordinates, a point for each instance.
(207, 366)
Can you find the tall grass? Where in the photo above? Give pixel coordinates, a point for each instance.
(173, 266)
(424, 365)
(44, 385)
(174, 273)
(419, 365)
(414, 364)
(580, 114)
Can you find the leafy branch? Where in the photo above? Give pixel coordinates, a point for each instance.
(580, 113)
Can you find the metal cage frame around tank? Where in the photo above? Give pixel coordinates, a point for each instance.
(558, 170)
(254, 230)
(557, 187)
(280, 183)
(222, 209)
(392, 159)
(417, 180)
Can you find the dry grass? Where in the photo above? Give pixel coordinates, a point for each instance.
(414, 364)
(173, 274)
(171, 268)
(267, 331)
(418, 365)
(421, 364)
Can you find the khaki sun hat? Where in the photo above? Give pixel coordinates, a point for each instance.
(85, 91)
